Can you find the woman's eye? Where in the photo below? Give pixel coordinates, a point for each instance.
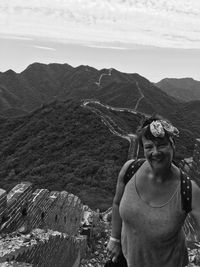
(148, 147)
(161, 146)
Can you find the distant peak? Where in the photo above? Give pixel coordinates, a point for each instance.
(53, 66)
(189, 79)
(85, 68)
(59, 64)
(34, 66)
(10, 72)
(177, 79)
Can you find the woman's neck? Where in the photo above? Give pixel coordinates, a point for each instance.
(161, 176)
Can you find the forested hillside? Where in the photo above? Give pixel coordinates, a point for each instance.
(183, 89)
(39, 84)
(64, 146)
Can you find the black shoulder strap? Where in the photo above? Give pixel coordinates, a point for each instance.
(186, 193)
(186, 185)
(132, 169)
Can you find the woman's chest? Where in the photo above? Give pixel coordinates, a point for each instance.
(154, 222)
(155, 193)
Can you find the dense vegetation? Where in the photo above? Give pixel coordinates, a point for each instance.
(184, 89)
(62, 146)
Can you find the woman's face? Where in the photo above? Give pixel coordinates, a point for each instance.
(159, 153)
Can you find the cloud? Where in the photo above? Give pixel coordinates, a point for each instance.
(13, 37)
(106, 47)
(146, 22)
(44, 47)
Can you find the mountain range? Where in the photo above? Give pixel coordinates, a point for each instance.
(39, 84)
(49, 136)
(183, 89)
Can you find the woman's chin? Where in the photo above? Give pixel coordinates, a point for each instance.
(158, 164)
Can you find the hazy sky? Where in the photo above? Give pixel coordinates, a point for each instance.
(155, 38)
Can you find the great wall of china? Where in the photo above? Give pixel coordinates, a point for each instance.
(41, 228)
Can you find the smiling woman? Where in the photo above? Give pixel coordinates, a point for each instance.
(149, 211)
(157, 140)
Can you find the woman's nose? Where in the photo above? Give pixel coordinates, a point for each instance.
(155, 150)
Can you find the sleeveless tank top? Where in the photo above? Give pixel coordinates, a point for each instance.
(152, 236)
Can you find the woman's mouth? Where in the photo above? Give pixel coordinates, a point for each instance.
(157, 159)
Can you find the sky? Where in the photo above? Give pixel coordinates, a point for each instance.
(155, 38)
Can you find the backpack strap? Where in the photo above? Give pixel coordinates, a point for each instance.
(186, 193)
(186, 185)
(132, 169)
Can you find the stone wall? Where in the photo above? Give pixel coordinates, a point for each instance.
(195, 170)
(22, 211)
(43, 248)
(59, 211)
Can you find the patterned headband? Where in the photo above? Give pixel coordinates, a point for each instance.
(158, 128)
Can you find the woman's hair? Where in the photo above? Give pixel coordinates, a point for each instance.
(145, 129)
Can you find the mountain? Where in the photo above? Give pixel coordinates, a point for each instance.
(39, 84)
(53, 136)
(185, 89)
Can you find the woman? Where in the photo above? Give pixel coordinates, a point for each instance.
(147, 214)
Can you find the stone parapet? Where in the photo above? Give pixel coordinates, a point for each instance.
(21, 207)
(42, 248)
(195, 170)
(58, 215)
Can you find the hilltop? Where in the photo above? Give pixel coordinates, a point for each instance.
(40, 83)
(183, 89)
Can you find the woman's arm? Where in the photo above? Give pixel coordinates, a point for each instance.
(196, 205)
(114, 245)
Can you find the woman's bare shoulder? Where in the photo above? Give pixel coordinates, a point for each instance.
(120, 182)
(195, 190)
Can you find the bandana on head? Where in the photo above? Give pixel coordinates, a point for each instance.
(159, 127)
